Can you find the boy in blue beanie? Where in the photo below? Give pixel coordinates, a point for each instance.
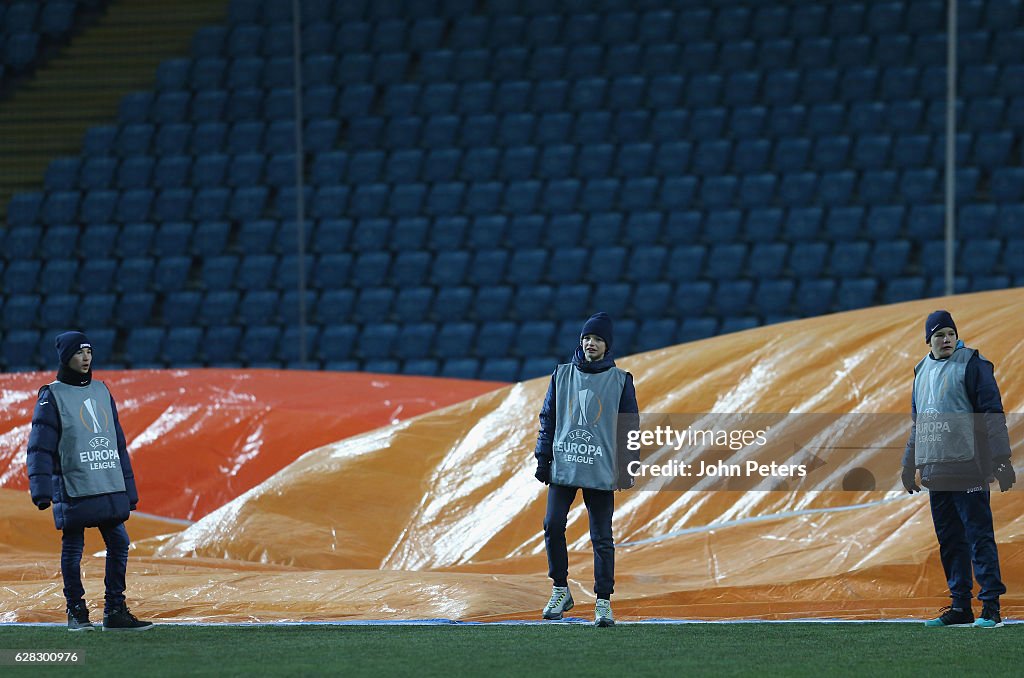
(78, 461)
(578, 448)
(959, 442)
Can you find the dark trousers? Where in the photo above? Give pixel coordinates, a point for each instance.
(72, 543)
(963, 524)
(600, 506)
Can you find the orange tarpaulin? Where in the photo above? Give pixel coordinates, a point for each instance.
(439, 515)
(199, 438)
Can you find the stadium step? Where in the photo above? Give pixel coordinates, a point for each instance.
(83, 85)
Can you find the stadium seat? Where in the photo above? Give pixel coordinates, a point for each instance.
(808, 259)
(767, 259)
(774, 296)
(131, 306)
(143, 346)
(889, 258)
(732, 297)
(691, 298)
(814, 296)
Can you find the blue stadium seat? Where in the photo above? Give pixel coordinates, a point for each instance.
(373, 305)
(836, 188)
(455, 340)
(614, 299)
(654, 333)
(56, 18)
(96, 276)
(132, 305)
(57, 276)
(210, 204)
(170, 205)
(534, 337)
(808, 259)
(1007, 185)
(181, 347)
(926, 222)
(774, 296)
(58, 242)
(570, 300)
(844, 223)
(415, 341)
(651, 299)
(756, 190)
(62, 174)
(143, 346)
(20, 351)
(751, 156)
(257, 343)
(218, 271)
(694, 328)
(691, 298)
(877, 186)
(732, 297)
(24, 208)
(724, 259)
(814, 296)
(171, 273)
(98, 206)
(335, 306)
(220, 346)
(180, 307)
(1010, 221)
(983, 283)
(365, 166)
(717, 192)
(885, 222)
(767, 259)
(256, 272)
(889, 258)
(95, 310)
(219, 306)
(979, 256)
(21, 311)
(849, 259)
(171, 171)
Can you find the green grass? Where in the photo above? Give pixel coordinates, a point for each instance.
(793, 649)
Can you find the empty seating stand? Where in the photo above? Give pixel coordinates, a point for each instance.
(475, 174)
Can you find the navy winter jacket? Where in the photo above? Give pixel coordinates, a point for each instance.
(991, 440)
(46, 480)
(548, 412)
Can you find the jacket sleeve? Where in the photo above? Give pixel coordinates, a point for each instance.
(42, 447)
(908, 453)
(126, 461)
(545, 437)
(629, 420)
(982, 389)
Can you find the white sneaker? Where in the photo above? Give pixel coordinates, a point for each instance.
(560, 601)
(603, 613)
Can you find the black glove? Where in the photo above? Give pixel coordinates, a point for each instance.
(909, 478)
(1005, 475)
(43, 505)
(543, 473)
(132, 507)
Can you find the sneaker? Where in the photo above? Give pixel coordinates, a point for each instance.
(952, 616)
(78, 617)
(603, 613)
(121, 619)
(989, 618)
(560, 602)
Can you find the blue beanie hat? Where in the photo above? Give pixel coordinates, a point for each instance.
(599, 324)
(68, 345)
(935, 322)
